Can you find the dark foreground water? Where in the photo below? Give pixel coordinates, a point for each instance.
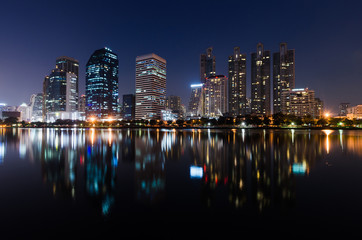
(179, 183)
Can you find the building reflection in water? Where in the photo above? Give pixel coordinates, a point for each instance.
(248, 169)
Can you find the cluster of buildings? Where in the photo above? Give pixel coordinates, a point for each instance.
(272, 90)
(220, 95)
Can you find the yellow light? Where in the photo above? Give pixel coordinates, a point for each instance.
(326, 115)
(92, 119)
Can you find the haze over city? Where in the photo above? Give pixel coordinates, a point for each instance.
(324, 34)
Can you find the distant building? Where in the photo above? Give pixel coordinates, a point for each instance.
(196, 107)
(354, 112)
(25, 112)
(36, 107)
(102, 84)
(150, 86)
(207, 64)
(82, 103)
(283, 74)
(13, 114)
(129, 106)
(343, 109)
(260, 81)
(215, 96)
(174, 103)
(237, 83)
(301, 102)
(318, 108)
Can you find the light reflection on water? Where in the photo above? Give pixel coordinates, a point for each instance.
(237, 169)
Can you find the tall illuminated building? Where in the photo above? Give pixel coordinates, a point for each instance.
(283, 74)
(237, 83)
(150, 86)
(196, 106)
(207, 64)
(260, 81)
(215, 96)
(102, 84)
(60, 90)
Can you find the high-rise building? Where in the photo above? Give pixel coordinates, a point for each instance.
(102, 84)
(215, 96)
(283, 74)
(82, 103)
(237, 83)
(129, 106)
(300, 102)
(260, 81)
(150, 86)
(36, 107)
(207, 64)
(60, 93)
(60, 90)
(196, 106)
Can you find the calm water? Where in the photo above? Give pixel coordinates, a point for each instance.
(174, 183)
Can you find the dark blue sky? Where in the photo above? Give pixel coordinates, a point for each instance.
(326, 35)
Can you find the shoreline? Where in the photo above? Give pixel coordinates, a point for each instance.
(189, 128)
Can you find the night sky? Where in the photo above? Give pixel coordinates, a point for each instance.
(326, 35)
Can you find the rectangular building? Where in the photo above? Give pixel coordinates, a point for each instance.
(283, 74)
(260, 81)
(150, 86)
(215, 96)
(299, 102)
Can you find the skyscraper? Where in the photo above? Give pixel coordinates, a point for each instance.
(237, 83)
(150, 86)
(60, 90)
(196, 106)
(283, 74)
(102, 84)
(215, 97)
(129, 106)
(260, 81)
(207, 64)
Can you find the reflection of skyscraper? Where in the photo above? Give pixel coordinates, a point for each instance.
(102, 84)
(260, 81)
(149, 167)
(150, 86)
(207, 64)
(237, 83)
(283, 74)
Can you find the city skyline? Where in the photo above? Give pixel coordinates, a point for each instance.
(321, 41)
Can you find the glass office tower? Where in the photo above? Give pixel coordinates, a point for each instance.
(102, 84)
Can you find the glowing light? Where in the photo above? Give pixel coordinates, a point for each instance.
(92, 119)
(196, 172)
(327, 132)
(327, 115)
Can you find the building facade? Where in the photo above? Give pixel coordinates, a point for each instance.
(215, 96)
(102, 84)
(36, 107)
(207, 64)
(300, 102)
(237, 83)
(196, 106)
(260, 81)
(354, 112)
(283, 74)
(129, 106)
(150, 86)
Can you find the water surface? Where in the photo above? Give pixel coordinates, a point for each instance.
(170, 183)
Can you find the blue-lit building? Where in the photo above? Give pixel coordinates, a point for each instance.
(60, 90)
(102, 84)
(129, 106)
